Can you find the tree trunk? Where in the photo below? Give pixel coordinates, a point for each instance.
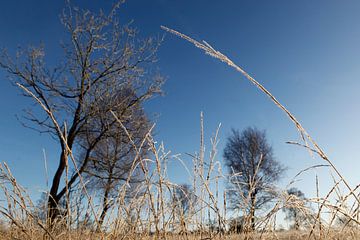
(297, 224)
(53, 200)
(252, 210)
(106, 207)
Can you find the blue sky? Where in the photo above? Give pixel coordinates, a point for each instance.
(305, 52)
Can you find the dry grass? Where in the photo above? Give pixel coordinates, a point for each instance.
(151, 212)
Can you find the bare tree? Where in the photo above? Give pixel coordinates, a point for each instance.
(298, 210)
(101, 59)
(253, 170)
(184, 199)
(294, 212)
(113, 157)
(236, 225)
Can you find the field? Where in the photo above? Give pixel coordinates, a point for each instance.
(152, 214)
(137, 199)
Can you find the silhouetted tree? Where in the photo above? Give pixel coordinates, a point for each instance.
(184, 200)
(295, 212)
(236, 225)
(40, 212)
(111, 161)
(101, 59)
(253, 170)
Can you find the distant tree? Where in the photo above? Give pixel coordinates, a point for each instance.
(295, 209)
(184, 200)
(113, 157)
(253, 171)
(101, 59)
(236, 225)
(345, 221)
(40, 210)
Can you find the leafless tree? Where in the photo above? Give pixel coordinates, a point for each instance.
(183, 200)
(294, 212)
(111, 160)
(253, 170)
(101, 59)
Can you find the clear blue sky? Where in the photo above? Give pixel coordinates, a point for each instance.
(306, 52)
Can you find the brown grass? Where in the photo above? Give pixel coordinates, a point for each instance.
(152, 214)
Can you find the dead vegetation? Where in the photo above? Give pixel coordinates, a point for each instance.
(155, 207)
